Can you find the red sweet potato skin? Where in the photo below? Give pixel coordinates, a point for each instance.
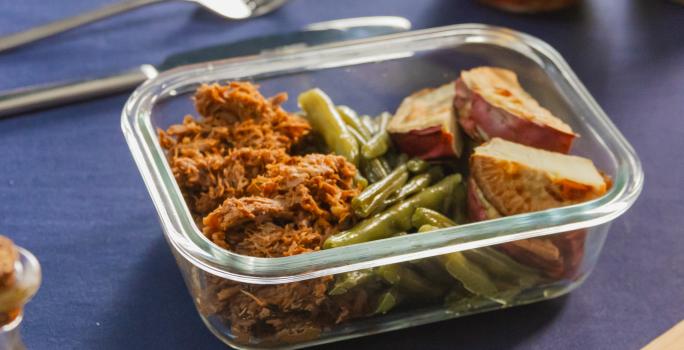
(430, 143)
(476, 209)
(474, 113)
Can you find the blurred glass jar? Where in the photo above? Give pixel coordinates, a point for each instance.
(530, 6)
(17, 285)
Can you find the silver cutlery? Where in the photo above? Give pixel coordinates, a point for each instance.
(230, 9)
(38, 97)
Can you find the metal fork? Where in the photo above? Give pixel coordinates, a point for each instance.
(230, 9)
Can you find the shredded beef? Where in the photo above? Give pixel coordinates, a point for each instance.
(250, 195)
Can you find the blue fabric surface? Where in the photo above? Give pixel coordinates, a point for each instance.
(70, 192)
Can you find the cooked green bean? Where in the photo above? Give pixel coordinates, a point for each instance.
(380, 142)
(373, 169)
(473, 277)
(376, 145)
(398, 217)
(408, 280)
(503, 267)
(382, 121)
(379, 202)
(483, 271)
(388, 300)
(417, 165)
(428, 228)
(373, 197)
(367, 171)
(494, 262)
(413, 186)
(432, 270)
(424, 216)
(357, 135)
(350, 118)
(385, 164)
(362, 174)
(359, 179)
(369, 123)
(323, 116)
(346, 281)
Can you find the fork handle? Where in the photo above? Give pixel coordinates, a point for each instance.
(22, 38)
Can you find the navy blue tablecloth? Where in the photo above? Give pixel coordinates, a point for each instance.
(70, 192)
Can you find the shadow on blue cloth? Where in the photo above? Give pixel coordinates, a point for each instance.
(150, 301)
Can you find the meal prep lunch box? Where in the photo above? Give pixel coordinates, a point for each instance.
(373, 75)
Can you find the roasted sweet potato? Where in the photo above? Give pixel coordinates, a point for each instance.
(509, 178)
(425, 124)
(491, 103)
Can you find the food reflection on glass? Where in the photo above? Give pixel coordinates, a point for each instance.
(264, 182)
(530, 6)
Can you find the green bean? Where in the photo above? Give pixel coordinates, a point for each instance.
(323, 116)
(366, 169)
(385, 164)
(388, 300)
(417, 165)
(398, 217)
(382, 121)
(413, 186)
(377, 145)
(380, 166)
(373, 169)
(503, 267)
(408, 280)
(357, 135)
(433, 271)
(380, 142)
(369, 123)
(352, 119)
(474, 278)
(349, 280)
(494, 262)
(360, 180)
(427, 228)
(373, 197)
(483, 271)
(424, 216)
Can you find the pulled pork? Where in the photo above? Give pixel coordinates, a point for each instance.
(250, 195)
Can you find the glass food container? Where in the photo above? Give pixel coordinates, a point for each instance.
(373, 75)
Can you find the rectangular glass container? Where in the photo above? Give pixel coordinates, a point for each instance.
(374, 75)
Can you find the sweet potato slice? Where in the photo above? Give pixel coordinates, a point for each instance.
(490, 102)
(518, 179)
(425, 124)
(509, 178)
